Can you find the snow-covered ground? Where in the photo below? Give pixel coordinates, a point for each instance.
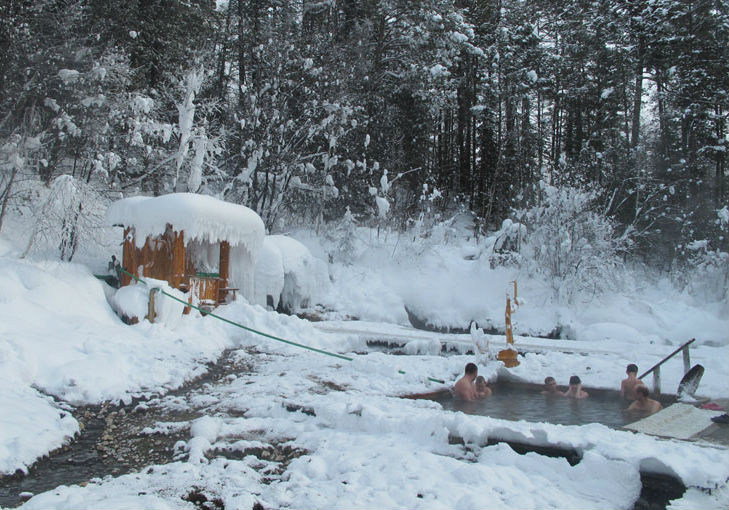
(362, 447)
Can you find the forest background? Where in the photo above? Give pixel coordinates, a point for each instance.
(600, 126)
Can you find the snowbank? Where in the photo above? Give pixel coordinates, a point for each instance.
(58, 335)
(269, 275)
(133, 301)
(304, 276)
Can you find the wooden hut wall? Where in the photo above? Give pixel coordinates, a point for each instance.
(158, 256)
(162, 257)
(165, 257)
(190, 268)
(129, 254)
(224, 267)
(178, 260)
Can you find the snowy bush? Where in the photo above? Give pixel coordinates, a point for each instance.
(69, 213)
(709, 279)
(503, 247)
(571, 242)
(346, 233)
(14, 155)
(703, 271)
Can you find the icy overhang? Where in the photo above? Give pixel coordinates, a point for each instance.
(201, 217)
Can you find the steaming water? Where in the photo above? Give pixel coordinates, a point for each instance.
(525, 402)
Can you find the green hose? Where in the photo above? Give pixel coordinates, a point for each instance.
(295, 344)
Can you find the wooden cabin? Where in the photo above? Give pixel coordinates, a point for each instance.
(186, 240)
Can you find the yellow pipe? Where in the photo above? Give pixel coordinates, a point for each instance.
(509, 333)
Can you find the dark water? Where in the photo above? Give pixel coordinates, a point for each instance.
(511, 401)
(74, 464)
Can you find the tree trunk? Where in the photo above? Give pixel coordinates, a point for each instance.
(6, 196)
(638, 95)
(221, 81)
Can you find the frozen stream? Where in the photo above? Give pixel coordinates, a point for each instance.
(114, 440)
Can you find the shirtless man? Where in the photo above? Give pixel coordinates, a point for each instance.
(550, 387)
(575, 390)
(464, 388)
(643, 403)
(629, 384)
(482, 387)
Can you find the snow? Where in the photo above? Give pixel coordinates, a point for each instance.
(31, 411)
(438, 70)
(304, 276)
(383, 207)
(52, 104)
(723, 215)
(201, 217)
(133, 301)
(68, 76)
(61, 343)
(186, 117)
(269, 274)
(698, 245)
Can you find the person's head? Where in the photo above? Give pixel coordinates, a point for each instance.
(481, 381)
(632, 369)
(642, 392)
(471, 369)
(550, 385)
(574, 380)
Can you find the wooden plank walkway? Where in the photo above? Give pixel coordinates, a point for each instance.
(462, 342)
(678, 421)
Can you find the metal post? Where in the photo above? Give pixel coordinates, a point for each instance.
(657, 381)
(686, 360)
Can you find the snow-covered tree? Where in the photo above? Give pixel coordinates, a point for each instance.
(68, 213)
(346, 233)
(571, 242)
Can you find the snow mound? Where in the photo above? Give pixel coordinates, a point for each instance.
(30, 411)
(269, 274)
(305, 276)
(133, 301)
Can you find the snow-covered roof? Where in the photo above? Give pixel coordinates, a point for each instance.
(202, 217)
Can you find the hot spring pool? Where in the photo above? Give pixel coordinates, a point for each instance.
(518, 401)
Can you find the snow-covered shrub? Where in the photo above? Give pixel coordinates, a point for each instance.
(346, 233)
(709, 277)
(503, 247)
(428, 215)
(14, 155)
(571, 242)
(703, 271)
(69, 213)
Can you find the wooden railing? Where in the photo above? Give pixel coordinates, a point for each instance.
(656, 369)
